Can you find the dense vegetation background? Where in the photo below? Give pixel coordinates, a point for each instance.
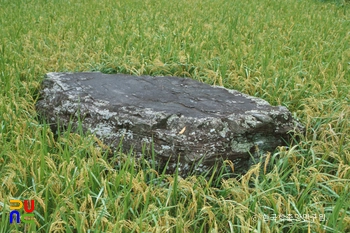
(291, 53)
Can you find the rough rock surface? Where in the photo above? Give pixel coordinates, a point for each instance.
(186, 120)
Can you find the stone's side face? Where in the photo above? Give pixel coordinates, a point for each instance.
(180, 116)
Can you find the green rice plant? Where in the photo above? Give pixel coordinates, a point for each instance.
(291, 53)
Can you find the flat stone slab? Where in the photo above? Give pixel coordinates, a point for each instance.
(186, 121)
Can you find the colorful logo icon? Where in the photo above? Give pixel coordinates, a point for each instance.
(27, 217)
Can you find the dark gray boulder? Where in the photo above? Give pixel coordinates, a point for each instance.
(185, 120)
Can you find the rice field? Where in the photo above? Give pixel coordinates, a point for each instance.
(290, 53)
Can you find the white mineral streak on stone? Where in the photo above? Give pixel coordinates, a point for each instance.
(241, 146)
(101, 103)
(56, 77)
(260, 143)
(69, 107)
(186, 167)
(126, 134)
(103, 130)
(106, 114)
(285, 111)
(250, 121)
(164, 147)
(224, 131)
(146, 140)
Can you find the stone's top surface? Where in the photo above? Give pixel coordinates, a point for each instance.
(173, 95)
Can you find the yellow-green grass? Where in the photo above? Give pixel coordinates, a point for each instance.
(291, 53)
